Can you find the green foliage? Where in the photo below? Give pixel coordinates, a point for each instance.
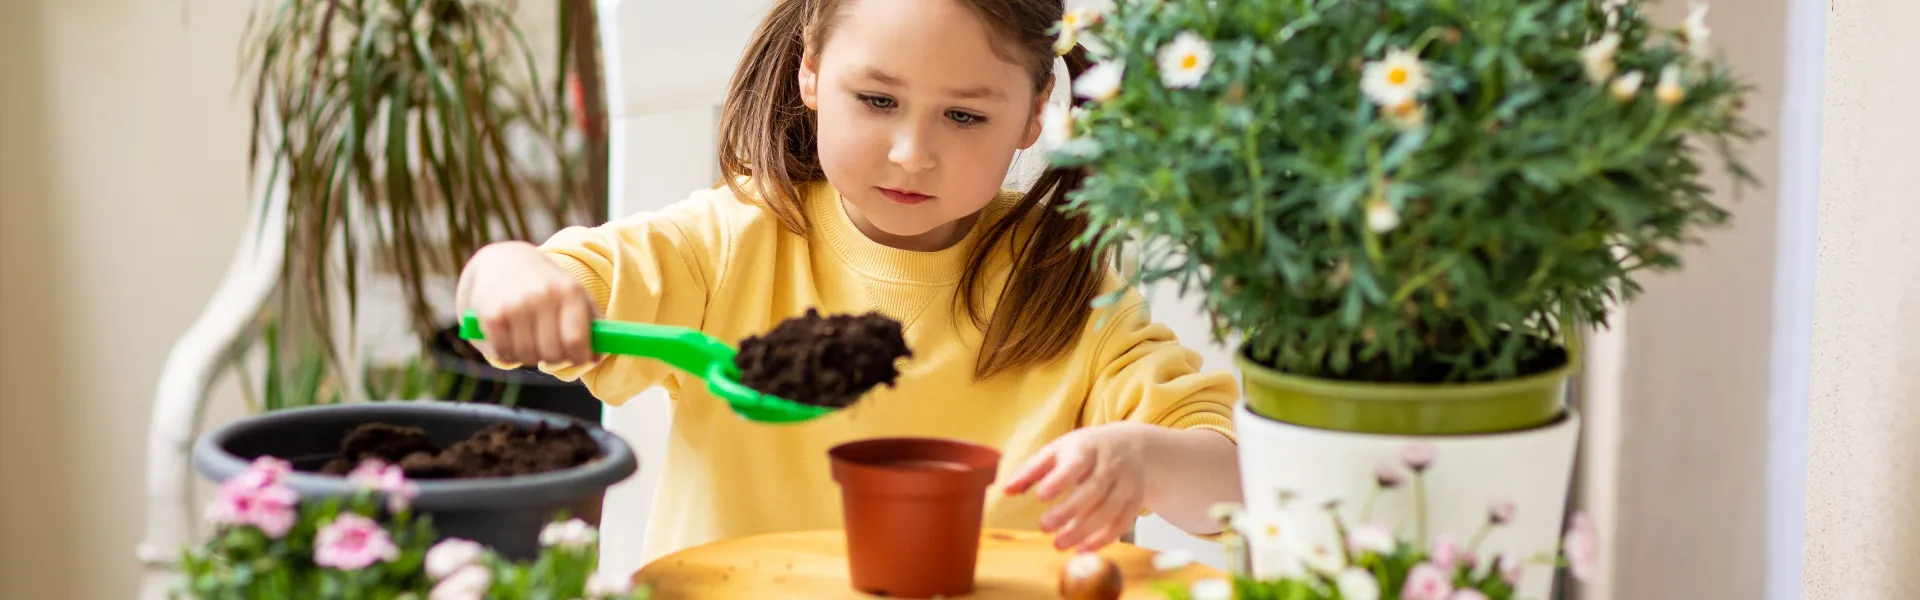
(1525, 201)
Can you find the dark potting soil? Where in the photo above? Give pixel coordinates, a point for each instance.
(1538, 357)
(503, 450)
(823, 360)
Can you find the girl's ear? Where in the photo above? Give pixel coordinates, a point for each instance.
(1039, 108)
(809, 81)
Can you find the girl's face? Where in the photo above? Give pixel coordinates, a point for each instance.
(918, 117)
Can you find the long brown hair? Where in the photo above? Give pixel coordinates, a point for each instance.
(768, 147)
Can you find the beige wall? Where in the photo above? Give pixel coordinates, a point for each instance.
(1863, 480)
(1693, 412)
(122, 148)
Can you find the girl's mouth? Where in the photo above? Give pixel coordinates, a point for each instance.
(905, 197)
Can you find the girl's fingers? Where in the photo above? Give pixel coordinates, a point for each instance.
(498, 329)
(1067, 519)
(548, 341)
(1073, 465)
(1030, 471)
(576, 329)
(1118, 517)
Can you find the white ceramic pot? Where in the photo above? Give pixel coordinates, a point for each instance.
(1531, 468)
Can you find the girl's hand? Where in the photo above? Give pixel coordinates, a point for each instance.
(1105, 470)
(530, 309)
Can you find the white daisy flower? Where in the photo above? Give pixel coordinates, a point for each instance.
(1669, 90)
(1172, 559)
(1100, 82)
(1697, 33)
(1067, 39)
(1274, 544)
(1184, 61)
(1056, 125)
(1357, 584)
(1324, 559)
(1598, 57)
(1211, 589)
(1397, 78)
(1372, 537)
(1408, 114)
(1625, 86)
(1612, 8)
(1382, 217)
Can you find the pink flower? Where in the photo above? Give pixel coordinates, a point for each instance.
(1582, 546)
(1510, 570)
(469, 583)
(451, 555)
(386, 479)
(604, 585)
(351, 542)
(256, 498)
(265, 471)
(1388, 476)
(1447, 553)
(1418, 456)
(1501, 512)
(1426, 582)
(1468, 595)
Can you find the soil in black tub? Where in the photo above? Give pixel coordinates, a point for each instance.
(503, 450)
(823, 360)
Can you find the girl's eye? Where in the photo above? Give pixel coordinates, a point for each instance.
(966, 118)
(876, 102)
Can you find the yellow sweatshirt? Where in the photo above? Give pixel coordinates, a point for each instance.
(728, 267)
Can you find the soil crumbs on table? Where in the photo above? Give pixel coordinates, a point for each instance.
(826, 361)
(503, 450)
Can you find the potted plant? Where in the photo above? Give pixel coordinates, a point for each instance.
(1406, 211)
(408, 134)
(479, 472)
(274, 541)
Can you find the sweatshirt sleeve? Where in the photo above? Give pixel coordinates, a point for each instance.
(1143, 374)
(653, 267)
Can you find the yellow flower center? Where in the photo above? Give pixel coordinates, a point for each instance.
(1398, 76)
(1404, 108)
(1190, 61)
(1273, 531)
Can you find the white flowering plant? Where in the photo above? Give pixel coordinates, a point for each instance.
(1376, 560)
(1423, 191)
(268, 543)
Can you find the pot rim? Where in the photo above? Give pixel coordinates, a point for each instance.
(615, 463)
(1399, 391)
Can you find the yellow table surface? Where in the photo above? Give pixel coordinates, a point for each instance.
(813, 564)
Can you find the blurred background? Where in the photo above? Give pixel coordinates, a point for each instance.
(1748, 422)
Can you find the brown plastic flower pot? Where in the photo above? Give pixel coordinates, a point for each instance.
(913, 511)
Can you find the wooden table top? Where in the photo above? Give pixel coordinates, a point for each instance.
(813, 564)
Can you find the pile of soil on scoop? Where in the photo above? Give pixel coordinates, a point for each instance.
(503, 450)
(823, 360)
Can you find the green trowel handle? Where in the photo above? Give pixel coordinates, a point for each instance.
(684, 348)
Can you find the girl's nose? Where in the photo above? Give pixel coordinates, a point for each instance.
(911, 151)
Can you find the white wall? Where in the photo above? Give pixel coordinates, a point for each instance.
(122, 195)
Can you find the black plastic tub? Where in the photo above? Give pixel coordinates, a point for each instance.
(504, 513)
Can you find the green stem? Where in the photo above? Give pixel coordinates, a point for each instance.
(1473, 547)
(1420, 505)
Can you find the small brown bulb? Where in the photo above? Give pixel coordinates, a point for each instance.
(1089, 576)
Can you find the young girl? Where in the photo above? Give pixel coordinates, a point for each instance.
(865, 143)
